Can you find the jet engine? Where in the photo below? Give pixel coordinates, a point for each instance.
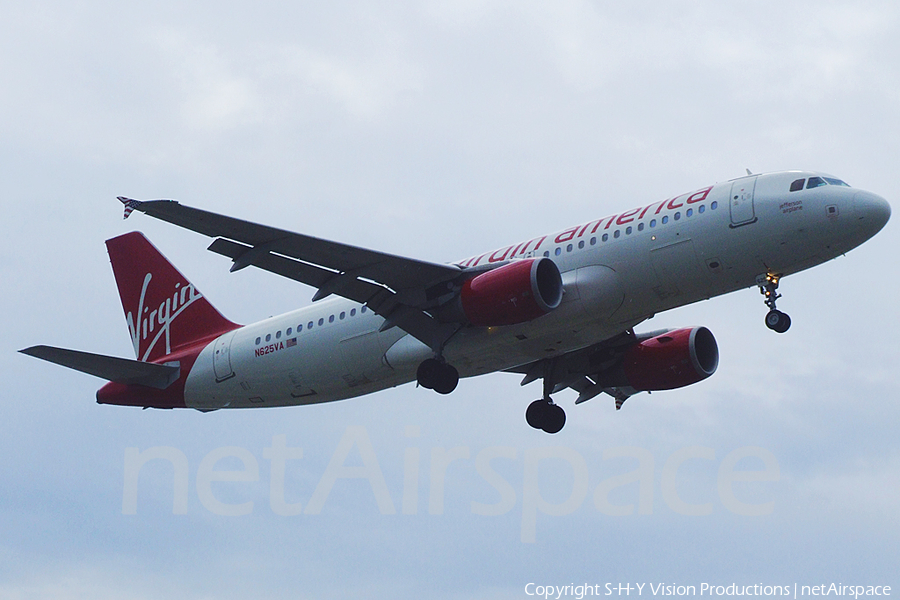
(671, 360)
(517, 292)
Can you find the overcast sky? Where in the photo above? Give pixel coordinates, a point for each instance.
(438, 130)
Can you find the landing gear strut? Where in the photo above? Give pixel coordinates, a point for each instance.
(775, 319)
(437, 375)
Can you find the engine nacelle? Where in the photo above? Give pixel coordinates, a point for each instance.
(514, 293)
(671, 360)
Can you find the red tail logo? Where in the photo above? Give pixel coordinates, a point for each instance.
(163, 310)
(147, 327)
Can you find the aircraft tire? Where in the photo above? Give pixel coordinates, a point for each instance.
(535, 413)
(555, 419)
(428, 372)
(447, 379)
(777, 321)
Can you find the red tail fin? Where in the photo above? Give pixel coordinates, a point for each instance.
(163, 309)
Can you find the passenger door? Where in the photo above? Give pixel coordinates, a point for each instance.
(741, 201)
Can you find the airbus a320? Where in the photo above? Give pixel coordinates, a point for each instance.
(560, 308)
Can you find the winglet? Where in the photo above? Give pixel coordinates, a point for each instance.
(130, 205)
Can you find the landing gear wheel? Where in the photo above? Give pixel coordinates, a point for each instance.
(778, 321)
(447, 380)
(441, 377)
(544, 414)
(535, 412)
(427, 373)
(556, 420)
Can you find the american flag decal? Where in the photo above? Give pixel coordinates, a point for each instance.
(130, 205)
(291, 342)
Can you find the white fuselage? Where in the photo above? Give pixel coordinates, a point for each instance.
(617, 271)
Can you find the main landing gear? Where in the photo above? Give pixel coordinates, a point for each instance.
(775, 319)
(438, 375)
(544, 413)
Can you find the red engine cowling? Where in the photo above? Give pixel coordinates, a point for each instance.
(671, 360)
(514, 293)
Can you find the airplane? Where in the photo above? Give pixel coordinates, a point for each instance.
(560, 307)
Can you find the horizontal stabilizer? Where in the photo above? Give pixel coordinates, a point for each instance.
(111, 368)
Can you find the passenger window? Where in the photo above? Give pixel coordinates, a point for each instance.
(593, 241)
(714, 205)
(677, 216)
(605, 237)
(321, 322)
(278, 335)
(652, 222)
(797, 185)
(309, 325)
(546, 253)
(628, 230)
(815, 182)
(299, 328)
(343, 314)
(702, 209)
(268, 337)
(362, 310)
(640, 226)
(689, 212)
(569, 248)
(258, 340)
(352, 312)
(665, 219)
(617, 233)
(581, 244)
(558, 251)
(331, 319)
(289, 330)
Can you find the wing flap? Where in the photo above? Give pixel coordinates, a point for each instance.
(120, 370)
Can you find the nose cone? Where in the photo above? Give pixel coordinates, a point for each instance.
(872, 212)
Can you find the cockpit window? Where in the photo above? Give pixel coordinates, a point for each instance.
(815, 182)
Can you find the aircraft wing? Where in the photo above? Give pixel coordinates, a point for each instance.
(394, 287)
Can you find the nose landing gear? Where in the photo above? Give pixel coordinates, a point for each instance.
(776, 320)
